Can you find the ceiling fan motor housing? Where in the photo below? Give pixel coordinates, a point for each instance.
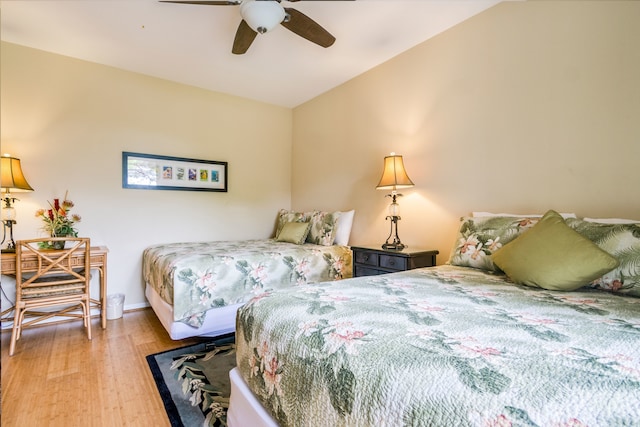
(262, 15)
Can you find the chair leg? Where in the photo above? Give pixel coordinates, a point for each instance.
(86, 307)
(15, 332)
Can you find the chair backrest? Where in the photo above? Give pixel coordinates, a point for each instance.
(52, 272)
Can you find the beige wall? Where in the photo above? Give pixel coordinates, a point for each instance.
(525, 107)
(69, 122)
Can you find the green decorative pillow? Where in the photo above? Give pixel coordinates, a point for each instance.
(294, 232)
(323, 228)
(622, 241)
(551, 255)
(479, 237)
(285, 216)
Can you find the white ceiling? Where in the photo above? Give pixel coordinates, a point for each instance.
(191, 44)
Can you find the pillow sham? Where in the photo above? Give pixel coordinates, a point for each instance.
(552, 255)
(479, 237)
(294, 232)
(285, 216)
(622, 241)
(323, 228)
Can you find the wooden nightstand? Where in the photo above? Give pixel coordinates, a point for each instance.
(369, 261)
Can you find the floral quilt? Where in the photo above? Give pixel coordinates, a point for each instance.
(195, 277)
(443, 346)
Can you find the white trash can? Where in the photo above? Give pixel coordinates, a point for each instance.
(115, 303)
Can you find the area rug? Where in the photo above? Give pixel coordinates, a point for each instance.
(193, 381)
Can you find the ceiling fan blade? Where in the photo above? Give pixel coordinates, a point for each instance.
(244, 37)
(306, 27)
(207, 3)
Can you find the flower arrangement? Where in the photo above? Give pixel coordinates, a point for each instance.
(58, 222)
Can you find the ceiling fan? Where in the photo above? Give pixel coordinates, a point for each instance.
(261, 16)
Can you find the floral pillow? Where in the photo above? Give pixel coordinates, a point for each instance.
(622, 241)
(323, 228)
(285, 216)
(480, 237)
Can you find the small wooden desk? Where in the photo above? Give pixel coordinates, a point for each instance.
(98, 262)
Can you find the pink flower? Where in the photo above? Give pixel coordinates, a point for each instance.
(343, 335)
(205, 281)
(467, 244)
(253, 366)
(271, 376)
(527, 222)
(258, 297)
(258, 273)
(499, 421)
(334, 298)
(494, 245)
(615, 285)
(538, 320)
(307, 328)
(424, 306)
(477, 252)
(303, 267)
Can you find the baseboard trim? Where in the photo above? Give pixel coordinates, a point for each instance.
(7, 323)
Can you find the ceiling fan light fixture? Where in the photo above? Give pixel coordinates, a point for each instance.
(262, 15)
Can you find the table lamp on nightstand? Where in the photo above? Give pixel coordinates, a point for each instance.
(11, 179)
(394, 177)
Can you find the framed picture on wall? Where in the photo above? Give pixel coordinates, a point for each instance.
(154, 172)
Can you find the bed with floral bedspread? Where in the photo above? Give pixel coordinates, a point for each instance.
(464, 343)
(447, 346)
(197, 277)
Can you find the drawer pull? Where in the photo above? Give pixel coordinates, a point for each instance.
(392, 262)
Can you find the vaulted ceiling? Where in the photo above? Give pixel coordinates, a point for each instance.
(191, 44)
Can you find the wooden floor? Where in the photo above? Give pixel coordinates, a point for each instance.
(58, 378)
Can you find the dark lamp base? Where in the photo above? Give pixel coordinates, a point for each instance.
(395, 244)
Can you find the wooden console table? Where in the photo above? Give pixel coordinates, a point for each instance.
(98, 261)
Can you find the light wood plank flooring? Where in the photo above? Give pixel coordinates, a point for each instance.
(59, 378)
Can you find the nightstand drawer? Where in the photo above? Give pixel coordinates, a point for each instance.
(359, 271)
(371, 261)
(393, 262)
(368, 258)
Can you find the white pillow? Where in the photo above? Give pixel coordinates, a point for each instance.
(611, 220)
(343, 228)
(484, 214)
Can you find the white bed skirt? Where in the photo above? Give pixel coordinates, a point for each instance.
(244, 408)
(218, 321)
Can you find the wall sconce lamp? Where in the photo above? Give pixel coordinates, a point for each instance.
(394, 177)
(11, 179)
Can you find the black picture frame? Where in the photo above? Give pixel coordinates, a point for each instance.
(156, 172)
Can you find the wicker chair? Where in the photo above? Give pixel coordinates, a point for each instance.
(51, 278)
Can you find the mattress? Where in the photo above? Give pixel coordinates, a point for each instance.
(441, 346)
